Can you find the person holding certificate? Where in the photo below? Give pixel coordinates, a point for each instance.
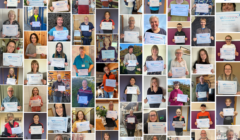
(152, 117)
(58, 27)
(132, 97)
(10, 48)
(10, 98)
(51, 8)
(35, 96)
(180, 33)
(203, 30)
(57, 95)
(9, 125)
(35, 18)
(130, 56)
(34, 70)
(44, 1)
(11, 21)
(154, 57)
(178, 62)
(34, 124)
(204, 115)
(87, 33)
(11, 74)
(227, 118)
(111, 122)
(107, 19)
(31, 52)
(202, 90)
(228, 7)
(80, 117)
(174, 95)
(155, 89)
(5, 2)
(83, 62)
(60, 111)
(131, 121)
(229, 44)
(107, 47)
(179, 117)
(59, 54)
(85, 91)
(154, 21)
(154, 9)
(202, 3)
(202, 59)
(178, 18)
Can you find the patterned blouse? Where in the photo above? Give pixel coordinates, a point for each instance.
(7, 22)
(149, 58)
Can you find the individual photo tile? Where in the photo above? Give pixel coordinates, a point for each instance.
(131, 58)
(178, 138)
(35, 125)
(59, 136)
(107, 115)
(11, 76)
(131, 138)
(35, 45)
(107, 135)
(35, 72)
(59, 87)
(202, 8)
(83, 6)
(59, 6)
(179, 33)
(106, 4)
(179, 10)
(203, 88)
(203, 116)
(179, 61)
(179, 121)
(227, 132)
(84, 29)
(83, 121)
(131, 7)
(38, 3)
(155, 92)
(107, 48)
(203, 134)
(11, 4)
(179, 92)
(154, 137)
(155, 6)
(203, 31)
(83, 91)
(131, 114)
(82, 136)
(131, 29)
(35, 99)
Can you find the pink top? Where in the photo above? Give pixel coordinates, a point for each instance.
(36, 108)
(174, 94)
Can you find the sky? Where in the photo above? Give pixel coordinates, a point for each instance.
(124, 46)
(184, 81)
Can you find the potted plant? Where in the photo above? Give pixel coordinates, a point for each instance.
(101, 111)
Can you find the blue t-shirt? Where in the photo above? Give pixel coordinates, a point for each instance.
(79, 62)
(8, 99)
(54, 29)
(154, 8)
(87, 33)
(202, 87)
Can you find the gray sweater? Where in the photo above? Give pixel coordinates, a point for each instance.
(31, 49)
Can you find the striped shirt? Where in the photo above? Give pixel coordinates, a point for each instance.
(87, 92)
(127, 57)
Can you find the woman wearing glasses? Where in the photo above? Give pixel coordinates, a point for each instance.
(229, 44)
(152, 117)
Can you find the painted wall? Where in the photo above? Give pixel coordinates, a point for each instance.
(171, 34)
(219, 45)
(113, 135)
(194, 116)
(147, 7)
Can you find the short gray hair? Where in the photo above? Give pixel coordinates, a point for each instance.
(130, 17)
(84, 80)
(153, 17)
(229, 130)
(130, 110)
(9, 87)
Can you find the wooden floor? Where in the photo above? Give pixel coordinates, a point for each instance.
(99, 125)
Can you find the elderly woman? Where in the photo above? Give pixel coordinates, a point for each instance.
(10, 98)
(230, 134)
(107, 19)
(132, 97)
(111, 122)
(154, 57)
(178, 62)
(11, 124)
(154, 21)
(45, 2)
(58, 27)
(229, 44)
(107, 46)
(5, 2)
(51, 8)
(32, 47)
(131, 125)
(11, 21)
(152, 117)
(228, 7)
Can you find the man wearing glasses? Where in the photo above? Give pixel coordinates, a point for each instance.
(10, 98)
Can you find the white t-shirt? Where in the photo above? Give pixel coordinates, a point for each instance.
(229, 46)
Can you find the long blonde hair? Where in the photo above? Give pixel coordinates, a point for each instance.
(32, 91)
(180, 118)
(151, 85)
(148, 120)
(9, 75)
(224, 77)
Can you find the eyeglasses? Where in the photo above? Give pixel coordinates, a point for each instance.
(152, 115)
(178, 53)
(227, 69)
(228, 39)
(10, 90)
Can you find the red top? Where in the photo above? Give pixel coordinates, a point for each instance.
(174, 94)
(204, 115)
(107, 88)
(110, 20)
(36, 108)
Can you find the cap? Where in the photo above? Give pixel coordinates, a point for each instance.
(203, 105)
(130, 47)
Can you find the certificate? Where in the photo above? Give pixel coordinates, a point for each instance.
(35, 102)
(85, 28)
(155, 66)
(57, 123)
(154, 3)
(82, 72)
(182, 98)
(14, 59)
(10, 106)
(130, 0)
(112, 114)
(227, 22)
(178, 124)
(108, 54)
(34, 79)
(83, 99)
(111, 82)
(131, 90)
(131, 36)
(106, 26)
(202, 8)
(11, 81)
(203, 38)
(77, 33)
(16, 130)
(83, 2)
(204, 68)
(202, 94)
(156, 128)
(154, 99)
(152, 38)
(227, 87)
(83, 126)
(132, 63)
(58, 62)
(179, 9)
(60, 6)
(36, 129)
(38, 3)
(228, 111)
(36, 24)
(179, 39)
(60, 35)
(131, 120)
(10, 30)
(12, 3)
(61, 88)
(203, 123)
(41, 49)
(178, 72)
(227, 53)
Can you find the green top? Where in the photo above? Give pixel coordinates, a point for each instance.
(36, 16)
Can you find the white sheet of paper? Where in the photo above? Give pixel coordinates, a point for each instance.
(106, 26)
(178, 124)
(227, 53)
(202, 8)
(36, 24)
(111, 82)
(41, 49)
(182, 97)
(178, 72)
(60, 6)
(16, 130)
(61, 88)
(228, 111)
(58, 123)
(155, 66)
(132, 63)
(36, 3)
(12, 3)
(10, 30)
(204, 68)
(179, 39)
(83, 2)
(108, 54)
(130, 0)
(83, 126)
(112, 114)
(11, 81)
(227, 87)
(131, 90)
(83, 99)
(35, 103)
(34, 79)
(154, 3)
(10, 106)
(60, 35)
(156, 127)
(14, 59)
(203, 123)
(227, 21)
(202, 94)
(152, 38)
(154, 99)
(36, 129)
(131, 120)
(82, 72)
(85, 28)
(58, 62)
(131, 36)
(77, 33)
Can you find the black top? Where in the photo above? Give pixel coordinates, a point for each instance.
(181, 33)
(149, 92)
(194, 65)
(146, 126)
(228, 120)
(176, 118)
(129, 96)
(110, 122)
(36, 136)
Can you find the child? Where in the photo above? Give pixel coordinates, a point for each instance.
(210, 6)
(179, 117)
(5, 2)
(204, 115)
(179, 33)
(228, 120)
(154, 9)
(11, 74)
(178, 18)
(174, 93)
(36, 123)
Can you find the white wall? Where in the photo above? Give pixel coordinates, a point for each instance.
(20, 76)
(115, 107)
(2, 120)
(185, 114)
(138, 21)
(27, 66)
(210, 134)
